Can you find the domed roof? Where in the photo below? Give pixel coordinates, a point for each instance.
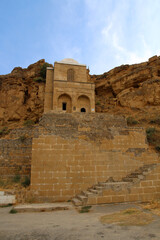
(69, 61)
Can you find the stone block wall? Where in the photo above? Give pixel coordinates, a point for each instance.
(60, 72)
(16, 152)
(15, 157)
(74, 153)
(144, 191)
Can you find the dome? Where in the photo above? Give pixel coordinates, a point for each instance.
(70, 61)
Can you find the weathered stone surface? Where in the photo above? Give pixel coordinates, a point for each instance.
(16, 151)
(133, 86)
(20, 96)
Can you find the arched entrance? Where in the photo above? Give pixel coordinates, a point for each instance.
(83, 110)
(83, 103)
(65, 103)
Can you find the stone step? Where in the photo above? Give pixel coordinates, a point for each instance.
(128, 181)
(1, 193)
(105, 185)
(99, 188)
(141, 177)
(42, 207)
(94, 191)
(118, 186)
(111, 184)
(145, 173)
(88, 194)
(135, 173)
(76, 202)
(133, 180)
(145, 168)
(82, 198)
(132, 175)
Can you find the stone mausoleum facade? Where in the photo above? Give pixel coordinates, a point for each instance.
(68, 89)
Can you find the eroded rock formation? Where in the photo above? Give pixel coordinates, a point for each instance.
(128, 87)
(21, 97)
(134, 86)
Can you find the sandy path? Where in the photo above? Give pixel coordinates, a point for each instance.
(71, 225)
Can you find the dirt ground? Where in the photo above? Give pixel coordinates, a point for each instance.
(72, 225)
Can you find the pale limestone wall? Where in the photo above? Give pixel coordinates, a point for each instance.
(60, 72)
(64, 164)
(74, 90)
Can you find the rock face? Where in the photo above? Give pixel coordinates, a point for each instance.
(134, 86)
(126, 87)
(21, 97)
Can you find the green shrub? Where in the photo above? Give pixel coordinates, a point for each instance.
(85, 209)
(43, 70)
(12, 211)
(6, 205)
(26, 182)
(150, 131)
(4, 131)
(17, 178)
(98, 103)
(156, 120)
(39, 79)
(157, 148)
(150, 134)
(131, 121)
(1, 183)
(22, 138)
(28, 123)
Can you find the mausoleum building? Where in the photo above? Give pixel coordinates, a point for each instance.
(68, 89)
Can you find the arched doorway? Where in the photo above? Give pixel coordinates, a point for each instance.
(65, 103)
(83, 110)
(83, 103)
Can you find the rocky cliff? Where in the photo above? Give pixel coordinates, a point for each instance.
(21, 96)
(134, 86)
(128, 90)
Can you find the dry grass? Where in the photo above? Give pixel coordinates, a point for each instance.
(154, 207)
(129, 217)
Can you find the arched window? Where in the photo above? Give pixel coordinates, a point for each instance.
(70, 75)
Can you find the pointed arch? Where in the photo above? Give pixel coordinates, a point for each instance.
(65, 103)
(83, 103)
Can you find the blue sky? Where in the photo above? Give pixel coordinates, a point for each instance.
(102, 34)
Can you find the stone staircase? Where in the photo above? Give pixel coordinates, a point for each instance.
(125, 184)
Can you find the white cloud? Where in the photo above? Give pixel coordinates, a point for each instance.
(123, 32)
(106, 30)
